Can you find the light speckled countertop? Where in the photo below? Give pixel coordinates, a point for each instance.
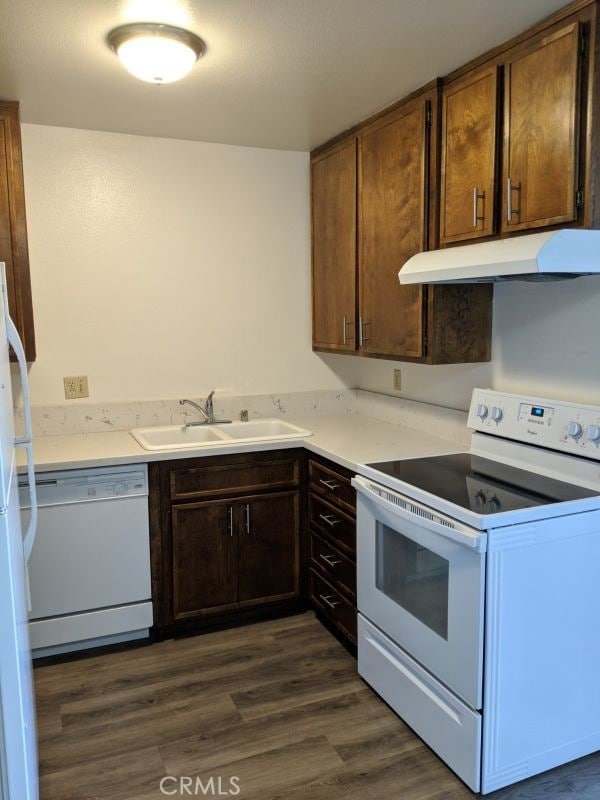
(351, 440)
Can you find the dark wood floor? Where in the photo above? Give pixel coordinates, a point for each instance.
(278, 705)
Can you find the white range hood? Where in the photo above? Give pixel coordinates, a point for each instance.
(552, 255)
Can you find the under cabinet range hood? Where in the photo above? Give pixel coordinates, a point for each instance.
(553, 255)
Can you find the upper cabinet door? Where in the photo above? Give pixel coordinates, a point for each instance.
(13, 227)
(541, 137)
(333, 176)
(393, 200)
(469, 157)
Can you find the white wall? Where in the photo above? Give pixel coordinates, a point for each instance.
(165, 268)
(546, 342)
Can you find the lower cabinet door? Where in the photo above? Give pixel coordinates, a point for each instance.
(268, 547)
(204, 558)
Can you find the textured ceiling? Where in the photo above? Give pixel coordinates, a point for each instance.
(278, 73)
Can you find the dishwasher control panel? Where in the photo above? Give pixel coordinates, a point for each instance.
(80, 485)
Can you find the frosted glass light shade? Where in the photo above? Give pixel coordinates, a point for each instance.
(156, 53)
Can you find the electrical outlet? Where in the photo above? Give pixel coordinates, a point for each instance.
(76, 386)
(397, 380)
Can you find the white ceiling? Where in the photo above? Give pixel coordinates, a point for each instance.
(286, 74)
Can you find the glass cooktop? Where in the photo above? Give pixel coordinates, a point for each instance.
(481, 485)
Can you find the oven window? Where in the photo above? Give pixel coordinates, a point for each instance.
(413, 577)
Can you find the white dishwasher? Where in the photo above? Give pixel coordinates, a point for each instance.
(89, 571)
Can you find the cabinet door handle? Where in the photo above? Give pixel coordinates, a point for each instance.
(331, 560)
(231, 521)
(325, 599)
(330, 519)
(510, 188)
(248, 518)
(330, 484)
(362, 326)
(345, 336)
(477, 195)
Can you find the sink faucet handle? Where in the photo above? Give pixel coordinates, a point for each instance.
(209, 407)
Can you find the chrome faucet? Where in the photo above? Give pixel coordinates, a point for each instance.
(208, 412)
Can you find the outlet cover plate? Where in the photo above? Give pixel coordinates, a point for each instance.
(76, 386)
(397, 380)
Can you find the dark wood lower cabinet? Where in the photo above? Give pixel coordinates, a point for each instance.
(332, 554)
(247, 535)
(268, 548)
(217, 558)
(204, 559)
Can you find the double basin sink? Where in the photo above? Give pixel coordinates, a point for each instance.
(175, 437)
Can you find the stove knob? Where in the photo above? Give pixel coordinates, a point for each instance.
(480, 498)
(496, 414)
(593, 433)
(494, 504)
(574, 429)
(482, 411)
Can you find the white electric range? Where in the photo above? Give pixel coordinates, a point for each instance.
(479, 590)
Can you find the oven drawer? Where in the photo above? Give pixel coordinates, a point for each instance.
(336, 525)
(337, 567)
(332, 485)
(447, 725)
(333, 604)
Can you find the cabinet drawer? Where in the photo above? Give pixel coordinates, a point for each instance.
(336, 567)
(335, 524)
(216, 480)
(335, 487)
(333, 605)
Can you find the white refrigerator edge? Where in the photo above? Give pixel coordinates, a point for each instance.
(18, 745)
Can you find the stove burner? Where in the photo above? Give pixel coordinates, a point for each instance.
(480, 484)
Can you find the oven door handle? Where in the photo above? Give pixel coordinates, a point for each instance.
(410, 510)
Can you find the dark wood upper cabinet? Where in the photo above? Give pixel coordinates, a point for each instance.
(469, 157)
(204, 558)
(13, 226)
(541, 132)
(505, 144)
(268, 548)
(397, 216)
(393, 201)
(334, 248)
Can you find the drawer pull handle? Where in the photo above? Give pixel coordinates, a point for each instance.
(330, 519)
(248, 518)
(231, 521)
(330, 484)
(328, 602)
(331, 560)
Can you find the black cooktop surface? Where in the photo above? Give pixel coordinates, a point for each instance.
(481, 485)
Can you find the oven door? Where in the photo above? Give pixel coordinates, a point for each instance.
(421, 581)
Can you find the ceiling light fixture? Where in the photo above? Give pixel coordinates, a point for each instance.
(156, 53)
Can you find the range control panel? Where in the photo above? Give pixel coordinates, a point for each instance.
(546, 423)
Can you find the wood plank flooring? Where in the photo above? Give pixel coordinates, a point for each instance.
(278, 705)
